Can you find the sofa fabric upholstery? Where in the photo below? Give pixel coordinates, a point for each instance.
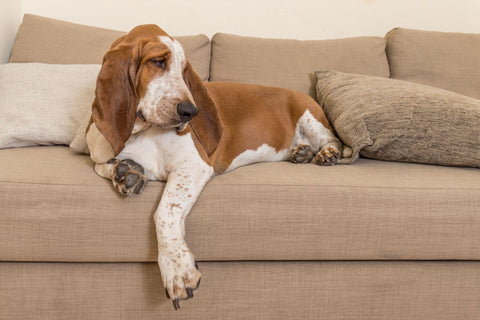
(334, 290)
(447, 60)
(55, 208)
(46, 40)
(291, 63)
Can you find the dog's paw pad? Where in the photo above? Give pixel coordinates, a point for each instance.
(129, 177)
(181, 278)
(327, 156)
(301, 154)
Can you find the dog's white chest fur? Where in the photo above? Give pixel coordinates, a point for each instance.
(161, 151)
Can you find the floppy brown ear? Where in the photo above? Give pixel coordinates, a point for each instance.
(207, 125)
(114, 107)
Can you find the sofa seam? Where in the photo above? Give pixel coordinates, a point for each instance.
(262, 184)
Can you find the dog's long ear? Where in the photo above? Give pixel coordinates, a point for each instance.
(114, 107)
(207, 125)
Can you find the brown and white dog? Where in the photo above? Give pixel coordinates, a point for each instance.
(154, 119)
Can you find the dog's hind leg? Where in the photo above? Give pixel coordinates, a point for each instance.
(302, 153)
(314, 143)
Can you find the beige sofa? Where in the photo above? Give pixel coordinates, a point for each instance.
(370, 240)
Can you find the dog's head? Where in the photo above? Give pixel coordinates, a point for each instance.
(146, 80)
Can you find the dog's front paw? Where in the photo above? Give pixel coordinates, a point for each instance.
(327, 156)
(180, 274)
(128, 176)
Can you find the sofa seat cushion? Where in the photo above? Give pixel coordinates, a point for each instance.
(55, 208)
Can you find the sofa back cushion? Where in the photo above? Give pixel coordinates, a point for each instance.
(45, 40)
(292, 63)
(446, 60)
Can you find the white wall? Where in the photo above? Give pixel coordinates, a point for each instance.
(10, 17)
(301, 19)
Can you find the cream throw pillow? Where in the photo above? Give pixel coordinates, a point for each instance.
(397, 120)
(44, 104)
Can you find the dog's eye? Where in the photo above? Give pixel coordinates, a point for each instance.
(161, 63)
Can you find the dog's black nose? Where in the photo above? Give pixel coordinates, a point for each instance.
(186, 110)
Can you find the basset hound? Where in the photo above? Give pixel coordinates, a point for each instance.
(154, 119)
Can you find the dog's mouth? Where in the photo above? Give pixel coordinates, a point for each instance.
(181, 127)
(178, 126)
(174, 124)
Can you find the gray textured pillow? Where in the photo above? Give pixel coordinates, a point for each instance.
(397, 120)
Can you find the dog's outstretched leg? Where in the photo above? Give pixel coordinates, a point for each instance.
(178, 268)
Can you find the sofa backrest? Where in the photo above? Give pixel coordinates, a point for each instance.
(446, 60)
(292, 63)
